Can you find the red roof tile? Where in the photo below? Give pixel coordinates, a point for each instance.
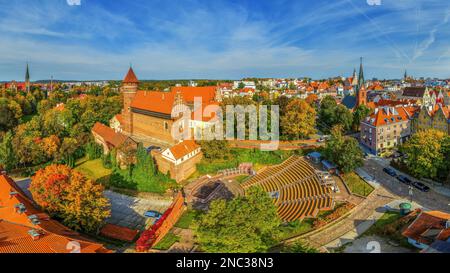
(109, 135)
(184, 148)
(428, 227)
(15, 227)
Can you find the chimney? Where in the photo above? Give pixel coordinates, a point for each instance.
(376, 110)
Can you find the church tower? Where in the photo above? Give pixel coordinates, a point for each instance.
(27, 79)
(354, 78)
(361, 95)
(129, 89)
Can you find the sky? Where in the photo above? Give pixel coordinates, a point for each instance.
(215, 39)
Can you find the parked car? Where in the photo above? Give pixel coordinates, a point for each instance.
(151, 148)
(152, 214)
(404, 179)
(420, 186)
(390, 171)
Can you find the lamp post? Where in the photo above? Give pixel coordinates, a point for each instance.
(410, 193)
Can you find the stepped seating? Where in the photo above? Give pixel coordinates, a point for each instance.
(300, 191)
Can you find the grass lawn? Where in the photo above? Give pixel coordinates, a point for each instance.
(390, 226)
(357, 185)
(188, 218)
(257, 157)
(242, 178)
(295, 228)
(167, 241)
(386, 219)
(92, 168)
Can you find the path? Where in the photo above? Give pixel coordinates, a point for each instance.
(360, 213)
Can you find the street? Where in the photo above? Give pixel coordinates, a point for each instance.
(432, 200)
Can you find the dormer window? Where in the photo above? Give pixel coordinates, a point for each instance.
(20, 208)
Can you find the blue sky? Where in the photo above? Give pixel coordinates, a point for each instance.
(223, 39)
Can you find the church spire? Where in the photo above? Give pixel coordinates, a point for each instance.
(361, 81)
(27, 79)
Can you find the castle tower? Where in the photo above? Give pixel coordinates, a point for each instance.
(27, 79)
(129, 88)
(361, 95)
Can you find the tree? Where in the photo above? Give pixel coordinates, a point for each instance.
(360, 113)
(343, 116)
(246, 224)
(331, 114)
(299, 120)
(425, 155)
(8, 159)
(10, 112)
(215, 149)
(343, 151)
(299, 247)
(69, 195)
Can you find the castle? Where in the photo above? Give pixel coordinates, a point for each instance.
(147, 115)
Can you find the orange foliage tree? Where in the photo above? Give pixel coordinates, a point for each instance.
(70, 196)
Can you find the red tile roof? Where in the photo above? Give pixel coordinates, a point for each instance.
(184, 148)
(109, 135)
(162, 102)
(389, 115)
(15, 227)
(130, 77)
(428, 227)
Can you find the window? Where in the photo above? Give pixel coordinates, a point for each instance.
(166, 125)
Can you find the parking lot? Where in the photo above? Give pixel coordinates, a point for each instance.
(129, 211)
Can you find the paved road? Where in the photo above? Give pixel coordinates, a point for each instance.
(429, 200)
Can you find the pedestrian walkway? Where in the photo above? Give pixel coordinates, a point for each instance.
(365, 210)
(362, 227)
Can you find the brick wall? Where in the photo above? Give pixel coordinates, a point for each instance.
(179, 172)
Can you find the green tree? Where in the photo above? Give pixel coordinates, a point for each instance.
(246, 224)
(10, 112)
(7, 155)
(343, 151)
(360, 113)
(215, 149)
(331, 114)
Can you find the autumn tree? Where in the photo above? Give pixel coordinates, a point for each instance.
(298, 121)
(426, 153)
(69, 195)
(246, 224)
